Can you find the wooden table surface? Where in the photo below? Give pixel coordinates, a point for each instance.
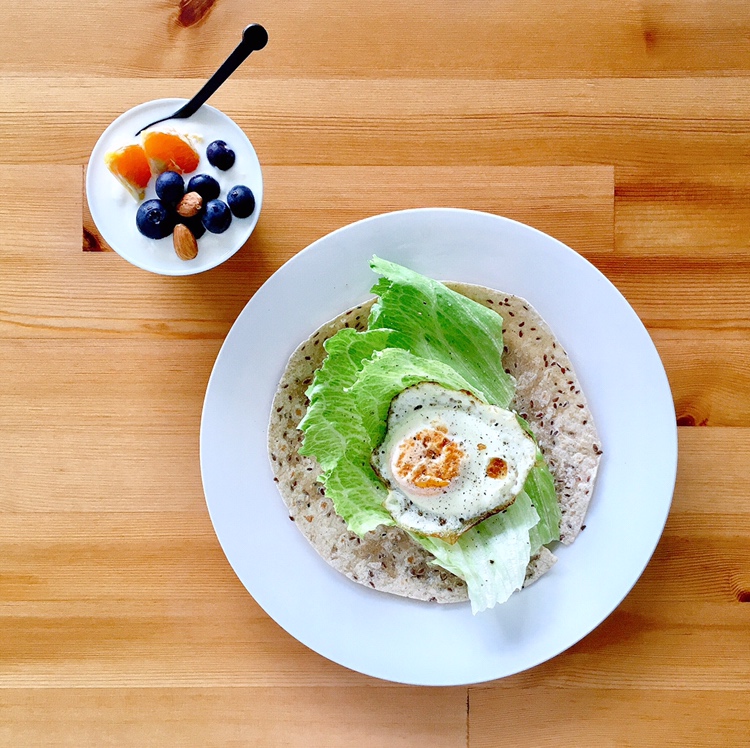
(622, 128)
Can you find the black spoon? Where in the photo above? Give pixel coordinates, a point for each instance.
(254, 38)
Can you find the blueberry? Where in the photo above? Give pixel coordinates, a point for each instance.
(170, 187)
(195, 224)
(216, 216)
(241, 200)
(220, 155)
(207, 187)
(154, 219)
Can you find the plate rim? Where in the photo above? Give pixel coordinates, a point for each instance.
(670, 473)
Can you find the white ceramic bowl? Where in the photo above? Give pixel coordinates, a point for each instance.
(113, 208)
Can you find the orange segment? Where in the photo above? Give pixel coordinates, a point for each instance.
(130, 165)
(168, 151)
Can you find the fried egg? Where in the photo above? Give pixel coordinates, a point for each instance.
(449, 460)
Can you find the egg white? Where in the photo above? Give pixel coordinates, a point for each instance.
(481, 432)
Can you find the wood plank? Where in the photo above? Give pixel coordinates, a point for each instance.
(625, 122)
(394, 38)
(574, 204)
(696, 482)
(122, 598)
(556, 717)
(701, 211)
(92, 240)
(109, 296)
(333, 717)
(709, 373)
(103, 425)
(708, 295)
(39, 212)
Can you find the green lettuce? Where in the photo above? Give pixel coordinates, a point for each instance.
(327, 426)
(431, 321)
(420, 331)
(540, 487)
(491, 557)
(347, 415)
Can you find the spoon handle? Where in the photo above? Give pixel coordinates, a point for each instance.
(254, 38)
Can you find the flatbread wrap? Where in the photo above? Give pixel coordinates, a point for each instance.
(546, 396)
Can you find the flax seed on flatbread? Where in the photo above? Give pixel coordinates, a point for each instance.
(548, 395)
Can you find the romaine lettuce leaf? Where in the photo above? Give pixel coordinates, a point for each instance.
(347, 417)
(327, 426)
(432, 321)
(440, 337)
(540, 487)
(357, 493)
(491, 557)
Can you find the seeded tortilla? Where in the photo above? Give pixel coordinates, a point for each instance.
(548, 395)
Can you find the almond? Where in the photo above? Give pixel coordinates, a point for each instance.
(185, 244)
(190, 205)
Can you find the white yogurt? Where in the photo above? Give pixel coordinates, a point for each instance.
(113, 208)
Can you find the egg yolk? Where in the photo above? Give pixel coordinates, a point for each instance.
(427, 460)
(497, 467)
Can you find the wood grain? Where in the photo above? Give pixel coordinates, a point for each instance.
(633, 122)
(192, 12)
(683, 211)
(686, 293)
(76, 429)
(623, 129)
(314, 717)
(608, 717)
(395, 38)
(709, 373)
(672, 648)
(575, 204)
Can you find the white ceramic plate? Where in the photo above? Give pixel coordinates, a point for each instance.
(404, 640)
(113, 209)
